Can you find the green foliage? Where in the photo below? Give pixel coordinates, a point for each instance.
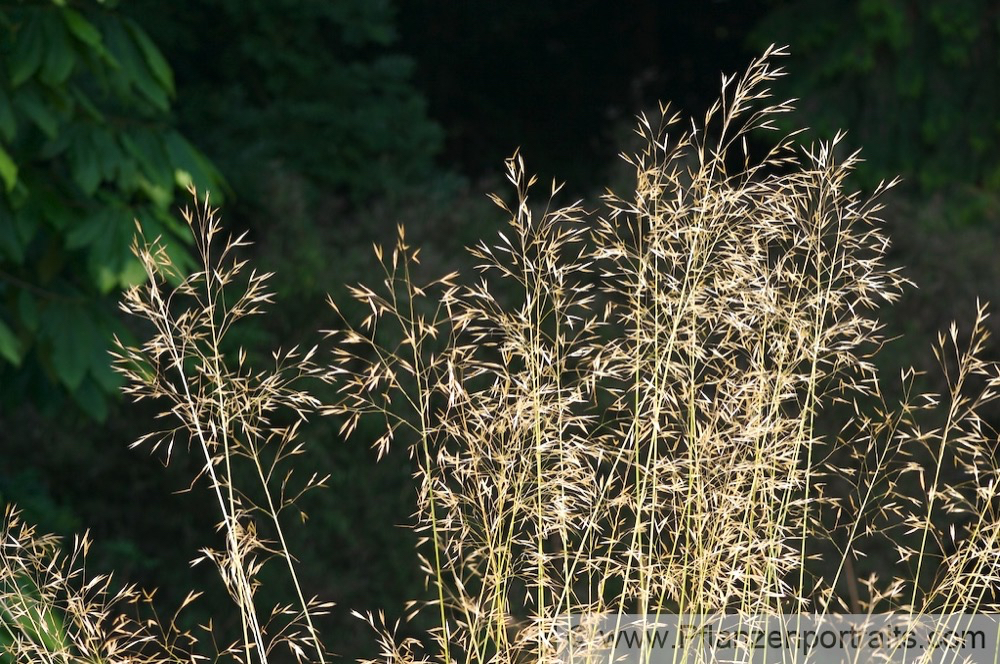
(24, 616)
(86, 147)
(309, 86)
(918, 83)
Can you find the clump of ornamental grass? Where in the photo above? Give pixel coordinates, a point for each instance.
(623, 414)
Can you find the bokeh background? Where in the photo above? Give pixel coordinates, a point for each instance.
(318, 125)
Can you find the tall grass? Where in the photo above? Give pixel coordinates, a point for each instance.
(626, 412)
(637, 428)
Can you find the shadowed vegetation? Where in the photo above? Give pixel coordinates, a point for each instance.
(624, 412)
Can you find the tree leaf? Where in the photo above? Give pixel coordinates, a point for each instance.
(186, 159)
(87, 230)
(133, 272)
(27, 54)
(59, 56)
(84, 165)
(54, 209)
(8, 170)
(101, 371)
(134, 70)
(147, 148)
(11, 246)
(8, 124)
(6, 639)
(107, 153)
(72, 335)
(27, 309)
(157, 64)
(31, 618)
(87, 105)
(10, 346)
(107, 253)
(39, 113)
(90, 397)
(82, 29)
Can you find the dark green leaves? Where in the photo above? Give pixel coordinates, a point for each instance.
(918, 84)
(8, 170)
(154, 60)
(59, 59)
(310, 87)
(72, 335)
(10, 345)
(28, 49)
(83, 30)
(86, 149)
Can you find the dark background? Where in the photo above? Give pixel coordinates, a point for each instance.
(331, 122)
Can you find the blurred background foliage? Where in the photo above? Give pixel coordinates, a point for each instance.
(915, 83)
(321, 125)
(310, 87)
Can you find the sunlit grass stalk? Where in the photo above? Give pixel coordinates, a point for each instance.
(225, 410)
